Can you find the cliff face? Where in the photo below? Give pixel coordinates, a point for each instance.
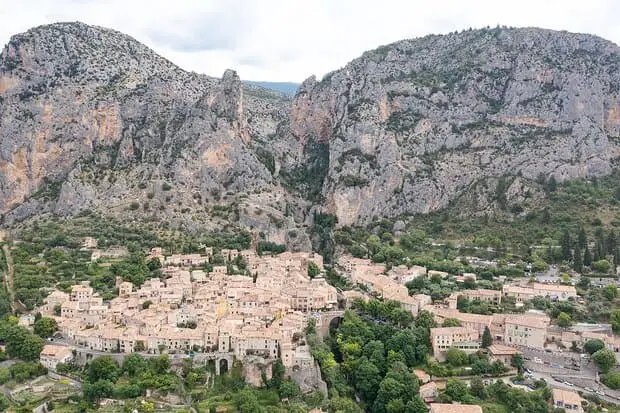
(91, 119)
(414, 125)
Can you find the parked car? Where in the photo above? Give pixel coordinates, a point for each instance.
(600, 393)
(568, 383)
(588, 389)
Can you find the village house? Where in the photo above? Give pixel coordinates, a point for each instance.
(403, 274)
(528, 330)
(526, 292)
(487, 296)
(429, 392)
(504, 354)
(53, 354)
(568, 400)
(474, 322)
(440, 274)
(445, 338)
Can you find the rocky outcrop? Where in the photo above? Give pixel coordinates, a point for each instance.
(416, 124)
(91, 119)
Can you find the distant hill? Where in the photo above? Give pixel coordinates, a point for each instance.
(288, 88)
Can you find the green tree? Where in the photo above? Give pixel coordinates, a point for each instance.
(289, 389)
(604, 359)
(338, 404)
(615, 321)
(457, 390)
(566, 246)
(594, 345)
(611, 243)
(277, 375)
(20, 342)
(582, 238)
(612, 380)
(601, 266)
(487, 340)
(153, 264)
(477, 388)
(160, 364)
(103, 368)
(610, 292)
(551, 185)
(564, 320)
(516, 361)
(98, 390)
(313, 269)
(416, 406)
(374, 244)
(457, 357)
(425, 319)
(539, 266)
(134, 364)
(587, 256)
(451, 322)
(395, 406)
(45, 327)
(577, 260)
(367, 380)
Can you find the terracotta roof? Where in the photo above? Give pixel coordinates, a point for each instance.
(498, 349)
(567, 396)
(454, 408)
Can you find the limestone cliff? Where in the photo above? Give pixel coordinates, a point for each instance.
(413, 125)
(93, 120)
(90, 119)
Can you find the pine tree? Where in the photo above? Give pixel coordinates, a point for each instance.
(487, 340)
(566, 246)
(587, 256)
(552, 185)
(582, 239)
(611, 243)
(599, 251)
(577, 260)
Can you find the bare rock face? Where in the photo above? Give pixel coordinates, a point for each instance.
(91, 119)
(414, 125)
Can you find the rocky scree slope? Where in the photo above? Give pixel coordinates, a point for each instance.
(90, 119)
(418, 124)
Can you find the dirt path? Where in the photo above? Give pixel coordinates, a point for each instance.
(8, 280)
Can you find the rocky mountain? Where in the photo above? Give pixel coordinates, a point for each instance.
(415, 125)
(90, 119)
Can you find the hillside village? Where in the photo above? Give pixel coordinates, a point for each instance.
(252, 305)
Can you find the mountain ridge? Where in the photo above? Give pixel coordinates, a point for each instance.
(93, 120)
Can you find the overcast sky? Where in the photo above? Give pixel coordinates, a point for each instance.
(289, 40)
